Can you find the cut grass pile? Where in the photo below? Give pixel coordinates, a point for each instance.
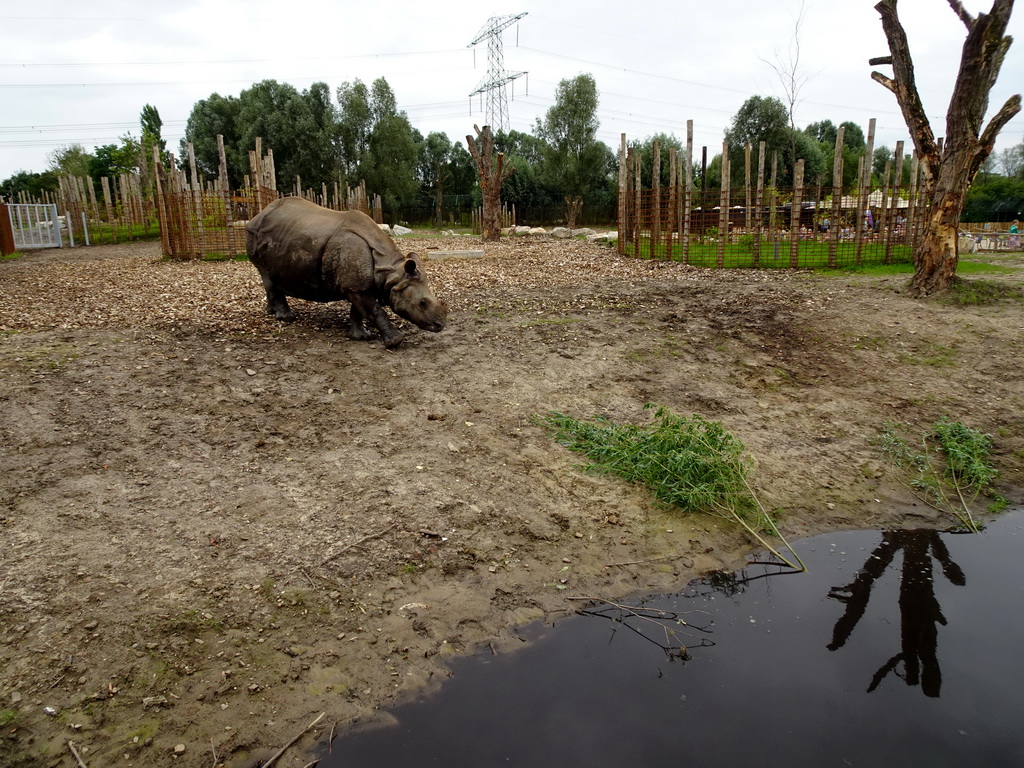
(691, 463)
(950, 471)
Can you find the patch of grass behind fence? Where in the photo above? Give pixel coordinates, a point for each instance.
(749, 254)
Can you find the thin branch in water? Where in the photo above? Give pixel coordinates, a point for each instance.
(655, 617)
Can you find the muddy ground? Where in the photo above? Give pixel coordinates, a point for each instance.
(214, 527)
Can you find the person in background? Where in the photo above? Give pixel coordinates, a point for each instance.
(1014, 241)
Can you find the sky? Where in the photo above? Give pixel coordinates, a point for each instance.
(74, 72)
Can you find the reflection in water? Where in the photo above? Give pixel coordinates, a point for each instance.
(919, 609)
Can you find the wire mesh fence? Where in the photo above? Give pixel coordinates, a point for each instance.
(794, 234)
(759, 224)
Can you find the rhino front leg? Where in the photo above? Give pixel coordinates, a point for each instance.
(367, 308)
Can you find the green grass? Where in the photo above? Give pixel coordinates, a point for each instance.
(102, 232)
(811, 254)
(951, 468)
(691, 463)
(11, 256)
(979, 292)
(938, 355)
(975, 267)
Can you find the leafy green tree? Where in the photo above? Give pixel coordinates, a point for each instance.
(71, 159)
(210, 117)
(286, 121)
(390, 169)
(33, 184)
(575, 164)
(525, 188)
(463, 170)
(523, 146)
(880, 157)
(152, 126)
(666, 143)
(994, 198)
(853, 137)
(760, 118)
(824, 131)
(319, 157)
(355, 122)
(111, 160)
(816, 169)
(1011, 161)
(435, 169)
(377, 144)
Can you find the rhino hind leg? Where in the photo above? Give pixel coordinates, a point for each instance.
(277, 302)
(357, 325)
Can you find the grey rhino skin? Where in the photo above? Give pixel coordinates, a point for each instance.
(303, 250)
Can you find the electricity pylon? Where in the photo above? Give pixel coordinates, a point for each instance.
(496, 109)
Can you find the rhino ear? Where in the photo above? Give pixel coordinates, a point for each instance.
(411, 267)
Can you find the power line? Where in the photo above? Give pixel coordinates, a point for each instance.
(187, 62)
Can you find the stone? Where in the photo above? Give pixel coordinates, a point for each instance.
(442, 255)
(561, 232)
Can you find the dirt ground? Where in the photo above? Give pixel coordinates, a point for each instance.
(214, 526)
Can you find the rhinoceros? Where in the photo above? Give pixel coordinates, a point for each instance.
(303, 250)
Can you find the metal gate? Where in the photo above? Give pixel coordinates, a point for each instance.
(34, 225)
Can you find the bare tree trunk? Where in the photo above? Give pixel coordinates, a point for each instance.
(949, 167)
(492, 176)
(573, 206)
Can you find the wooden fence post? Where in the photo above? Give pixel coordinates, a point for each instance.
(688, 193)
(865, 189)
(623, 197)
(723, 205)
(638, 201)
(746, 172)
(837, 198)
(673, 201)
(896, 199)
(655, 197)
(795, 211)
(759, 220)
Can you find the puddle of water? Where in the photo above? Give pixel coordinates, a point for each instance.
(897, 648)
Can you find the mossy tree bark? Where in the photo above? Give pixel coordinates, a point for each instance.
(949, 167)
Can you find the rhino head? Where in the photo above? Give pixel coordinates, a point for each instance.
(413, 299)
